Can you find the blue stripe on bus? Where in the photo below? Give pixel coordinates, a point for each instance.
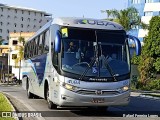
(38, 65)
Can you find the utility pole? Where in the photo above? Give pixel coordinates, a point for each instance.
(8, 63)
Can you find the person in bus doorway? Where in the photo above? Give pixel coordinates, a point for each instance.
(72, 47)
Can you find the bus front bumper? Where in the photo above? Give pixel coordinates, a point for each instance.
(69, 98)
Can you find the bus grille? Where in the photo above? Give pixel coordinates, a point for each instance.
(94, 92)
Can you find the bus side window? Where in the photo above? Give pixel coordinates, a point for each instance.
(25, 52)
(55, 56)
(46, 45)
(29, 48)
(40, 47)
(34, 47)
(37, 46)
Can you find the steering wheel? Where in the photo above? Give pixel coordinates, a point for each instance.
(81, 63)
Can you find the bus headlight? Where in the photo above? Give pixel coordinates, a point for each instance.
(125, 88)
(69, 87)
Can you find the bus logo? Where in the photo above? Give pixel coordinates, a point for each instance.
(98, 92)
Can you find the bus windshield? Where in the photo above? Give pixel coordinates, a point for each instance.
(96, 52)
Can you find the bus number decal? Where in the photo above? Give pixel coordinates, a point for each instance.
(74, 81)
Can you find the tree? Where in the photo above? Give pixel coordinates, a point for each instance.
(1, 40)
(150, 56)
(126, 17)
(20, 55)
(20, 49)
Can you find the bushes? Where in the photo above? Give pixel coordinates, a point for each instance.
(150, 85)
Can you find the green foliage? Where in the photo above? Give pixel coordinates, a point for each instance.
(126, 17)
(150, 58)
(152, 85)
(135, 59)
(20, 48)
(5, 106)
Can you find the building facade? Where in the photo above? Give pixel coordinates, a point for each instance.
(147, 9)
(20, 19)
(4, 62)
(15, 46)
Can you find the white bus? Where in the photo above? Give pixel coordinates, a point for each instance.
(79, 62)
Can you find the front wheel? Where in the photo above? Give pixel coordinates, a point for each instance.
(51, 105)
(29, 94)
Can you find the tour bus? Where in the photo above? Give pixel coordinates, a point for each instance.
(79, 62)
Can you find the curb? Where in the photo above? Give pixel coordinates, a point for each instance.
(138, 94)
(13, 109)
(27, 107)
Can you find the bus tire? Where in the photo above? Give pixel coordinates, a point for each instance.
(51, 105)
(29, 94)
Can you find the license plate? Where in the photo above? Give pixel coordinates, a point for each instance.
(98, 100)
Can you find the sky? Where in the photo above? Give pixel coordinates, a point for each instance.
(71, 8)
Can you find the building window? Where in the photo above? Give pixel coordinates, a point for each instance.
(7, 37)
(150, 13)
(22, 18)
(29, 12)
(134, 26)
(2, 9)
(34, 19)
(8, 16)
(29, 19)
(136, 1)
(0, 30)
(34, 26)
(21, 25)
(35, 13)
(8, 23)
(15, 17)
(14, 42)
(22, 11)
(15, 25)
(7, 31)
(14, 56)
(14, 31)
(1, 23)
(15, 11)
(149, 1)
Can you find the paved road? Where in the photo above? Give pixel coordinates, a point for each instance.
(138, 107)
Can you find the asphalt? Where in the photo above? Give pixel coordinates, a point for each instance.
(19, 106)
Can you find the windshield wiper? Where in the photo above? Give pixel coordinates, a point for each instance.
(86, 70)
(109, 69)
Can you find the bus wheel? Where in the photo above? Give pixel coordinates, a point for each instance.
(51, 105)
(29, 94)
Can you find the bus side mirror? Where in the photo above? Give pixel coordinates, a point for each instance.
(57, 42)
(137, 44)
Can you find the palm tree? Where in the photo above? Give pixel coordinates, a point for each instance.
(20, 55)
(1, 40)
(126, 17)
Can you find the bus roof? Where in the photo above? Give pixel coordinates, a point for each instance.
(81, 23)
(87, 23)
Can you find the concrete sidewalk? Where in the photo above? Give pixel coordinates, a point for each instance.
(146, 94)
